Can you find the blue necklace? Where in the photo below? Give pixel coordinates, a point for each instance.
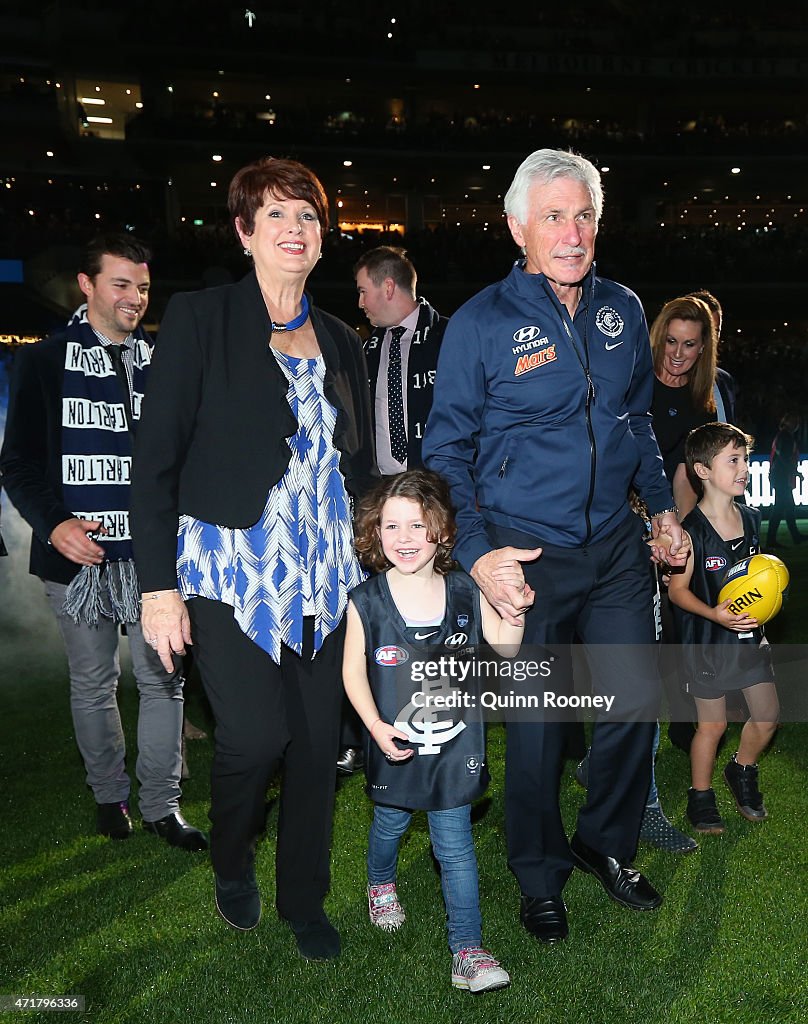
(298, 321)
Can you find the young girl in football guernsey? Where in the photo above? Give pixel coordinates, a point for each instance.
(410, 631)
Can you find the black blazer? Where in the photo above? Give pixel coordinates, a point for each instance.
(421, 366)
(211, 441)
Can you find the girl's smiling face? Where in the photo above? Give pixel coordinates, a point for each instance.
(404, 536)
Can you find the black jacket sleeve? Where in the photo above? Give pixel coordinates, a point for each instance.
(30, 461)
(164, 435)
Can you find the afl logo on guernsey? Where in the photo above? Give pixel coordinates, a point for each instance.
(609, 322)
(714, 563)
(390, 656)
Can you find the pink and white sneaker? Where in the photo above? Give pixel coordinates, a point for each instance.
(383, 906)
(476, 970)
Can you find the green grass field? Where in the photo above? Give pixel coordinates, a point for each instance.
(131, 926)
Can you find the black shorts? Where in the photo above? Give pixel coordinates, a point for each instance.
(720, 669)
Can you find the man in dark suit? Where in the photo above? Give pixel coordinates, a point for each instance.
(401, 353)
(74, 405)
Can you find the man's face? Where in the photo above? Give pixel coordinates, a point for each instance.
(118, 296)
(374, 300)
(559, 236)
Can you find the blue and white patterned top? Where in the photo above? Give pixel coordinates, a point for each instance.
(299, 558)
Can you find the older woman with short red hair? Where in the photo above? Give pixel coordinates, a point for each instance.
(253, 444)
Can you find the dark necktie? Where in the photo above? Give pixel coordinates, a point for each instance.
(395, 398)
(116, 355)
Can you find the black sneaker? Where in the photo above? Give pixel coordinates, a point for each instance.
(703, 812)
(742, 780)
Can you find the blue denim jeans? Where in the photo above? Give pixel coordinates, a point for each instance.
(450, 832)
(652, 799)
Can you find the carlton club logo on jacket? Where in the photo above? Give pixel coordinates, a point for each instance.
(609, 322)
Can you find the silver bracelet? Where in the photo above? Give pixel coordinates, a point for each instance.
(665, 511)
(153, 597)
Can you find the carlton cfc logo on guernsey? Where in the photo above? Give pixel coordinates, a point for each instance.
(609, 322)
(390, 656)
(714, 563)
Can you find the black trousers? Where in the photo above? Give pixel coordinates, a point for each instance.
(602, 594)
(269, 716)
(783, 508)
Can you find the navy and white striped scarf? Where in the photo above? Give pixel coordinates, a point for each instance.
(96, 467)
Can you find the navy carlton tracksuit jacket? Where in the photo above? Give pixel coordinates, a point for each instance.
(541, 423)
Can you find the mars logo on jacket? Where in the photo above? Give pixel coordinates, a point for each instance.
(390, 656)
(714, 562)
(526, 363)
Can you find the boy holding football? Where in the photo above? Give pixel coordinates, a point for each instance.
(723, 651)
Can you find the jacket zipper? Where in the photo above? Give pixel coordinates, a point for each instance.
(590, 397)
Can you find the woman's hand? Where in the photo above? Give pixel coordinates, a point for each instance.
(384, 734)
(166, 625)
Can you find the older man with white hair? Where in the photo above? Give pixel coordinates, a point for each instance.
(540, 423)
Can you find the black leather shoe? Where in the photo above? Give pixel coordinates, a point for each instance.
(177, 832)
(316, 940)
(239, 901)
(623, 884)
(545, 919)
(113, 820)
(350, 760)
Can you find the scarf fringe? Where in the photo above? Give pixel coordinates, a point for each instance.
(112, 594)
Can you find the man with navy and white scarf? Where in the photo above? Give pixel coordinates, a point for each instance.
(74, 405)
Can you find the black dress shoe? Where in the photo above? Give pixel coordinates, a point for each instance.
(623, 884)
(177, 832)
(239, 901)
(350, 760)
(317, 939)
(546, 919)
(113, 820)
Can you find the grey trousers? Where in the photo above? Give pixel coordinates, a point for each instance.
(94, 665)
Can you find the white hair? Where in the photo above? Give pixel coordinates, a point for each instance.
(546, 165)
